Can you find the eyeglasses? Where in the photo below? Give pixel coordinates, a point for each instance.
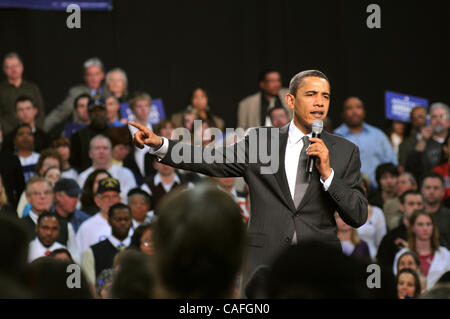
(442, 116)
(43, 193)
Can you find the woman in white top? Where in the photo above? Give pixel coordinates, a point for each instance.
(373, 231)
(423, 239)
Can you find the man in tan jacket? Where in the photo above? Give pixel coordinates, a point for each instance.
(253, 110)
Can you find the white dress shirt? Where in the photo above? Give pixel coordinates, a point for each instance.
(36, 249)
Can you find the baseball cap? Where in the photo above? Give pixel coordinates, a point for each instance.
(93, 103)
(69, 186)
(108, 184)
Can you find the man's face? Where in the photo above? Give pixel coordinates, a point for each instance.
(120, 223)
(271, 84)
(388, 183)
(403, 184)
(100, 152)
(105, 200)
(439, 120)
(279, 118)
(24, 138)
(66, 202)
(40, 197)
(311, 102)
(26, 112)
(13, 68)
(94, 76)
(432, 190)
(354, 112)
(139, 207)
(112, 108)
(412, 203)
(82, 109)
(163, 170)
(48, 231)
(418, 117)
(142, 110)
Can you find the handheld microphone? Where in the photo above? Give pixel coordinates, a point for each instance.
(317, 129)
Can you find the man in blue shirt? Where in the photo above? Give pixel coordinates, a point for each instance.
(373, 144)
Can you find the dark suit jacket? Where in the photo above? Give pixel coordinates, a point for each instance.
(12, 175)
(273, 217)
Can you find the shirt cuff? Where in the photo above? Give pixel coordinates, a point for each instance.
(161, 150)
(327, 183)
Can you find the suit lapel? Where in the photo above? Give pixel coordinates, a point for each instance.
(315, 177)
(280, 175)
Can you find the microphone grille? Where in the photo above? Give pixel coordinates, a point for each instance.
(317, 126)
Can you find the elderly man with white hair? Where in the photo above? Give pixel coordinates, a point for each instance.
(93, 79)
(100, 151)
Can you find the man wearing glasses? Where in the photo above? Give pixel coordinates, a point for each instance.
(427, 152)
(39, 194)
(97, 228)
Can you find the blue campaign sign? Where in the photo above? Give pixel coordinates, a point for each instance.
(157, 112)
(398, 106)
(57, 4)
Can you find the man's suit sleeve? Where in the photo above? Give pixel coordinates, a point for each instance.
(229, 161)
(347, 193)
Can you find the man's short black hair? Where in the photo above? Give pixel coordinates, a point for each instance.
(263, 73)
(114, 207)
(408, 192)
(385, 168)
(433, 175)
(45, 215)
(75, 102)
(23, 98)
(298, 78)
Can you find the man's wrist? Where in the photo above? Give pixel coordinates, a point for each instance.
(326, 174)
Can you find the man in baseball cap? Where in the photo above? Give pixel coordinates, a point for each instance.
(97, 228)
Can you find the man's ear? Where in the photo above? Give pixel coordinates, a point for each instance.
(35, 111)
(261, 85)
(290, 100)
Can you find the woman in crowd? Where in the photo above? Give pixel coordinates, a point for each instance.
(199, 101)
(142, 239)
(397, 133)
(24, 144)
(53, 174)
(121, 141)
(423, 239)
(5, 208)
(113, 112)
(409, 259)
(62, 145)
(408, 284)
(90, 189)
(351, 244)
(373, 231)
(117, 84)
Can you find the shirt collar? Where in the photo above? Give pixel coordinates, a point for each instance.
(34, 217)
(294, 134)
(157, 179)
(115, 242)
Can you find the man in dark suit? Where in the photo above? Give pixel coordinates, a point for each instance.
(287, 206)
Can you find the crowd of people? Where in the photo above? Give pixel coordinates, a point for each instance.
(74, 189)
